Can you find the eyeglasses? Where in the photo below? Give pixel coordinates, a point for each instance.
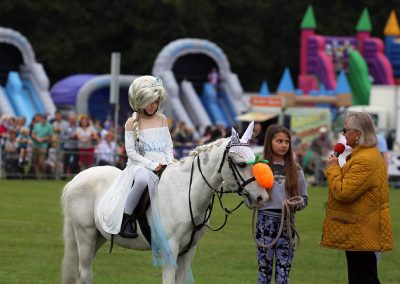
(347, 129)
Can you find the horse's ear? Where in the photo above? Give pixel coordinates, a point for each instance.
(248, 133)
(234, 136)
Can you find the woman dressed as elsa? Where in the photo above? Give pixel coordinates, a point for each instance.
(149, 148)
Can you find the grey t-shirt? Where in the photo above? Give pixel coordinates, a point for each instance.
(278, 192)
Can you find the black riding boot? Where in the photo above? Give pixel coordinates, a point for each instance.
(128, 227)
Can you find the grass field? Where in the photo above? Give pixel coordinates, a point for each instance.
(31, 246)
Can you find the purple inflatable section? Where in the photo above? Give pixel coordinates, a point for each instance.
(379, 65)
(64, 92)
(319, 63)
(338, 48)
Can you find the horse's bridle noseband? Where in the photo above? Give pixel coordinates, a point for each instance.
(236, 174)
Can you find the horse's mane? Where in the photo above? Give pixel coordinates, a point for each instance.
(207, 147)
(204, 148)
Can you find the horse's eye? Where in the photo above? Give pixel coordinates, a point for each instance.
(242, 164)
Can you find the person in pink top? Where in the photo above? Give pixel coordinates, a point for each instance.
(87, 136)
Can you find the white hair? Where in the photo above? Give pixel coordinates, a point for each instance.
(363, 121)
(143, 91)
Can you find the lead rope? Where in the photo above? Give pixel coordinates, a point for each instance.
(285, 215)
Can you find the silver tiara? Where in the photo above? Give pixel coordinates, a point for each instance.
(157, 82)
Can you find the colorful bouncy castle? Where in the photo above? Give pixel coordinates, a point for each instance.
(367, 60)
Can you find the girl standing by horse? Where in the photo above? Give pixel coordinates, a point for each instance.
(149, 148)
(289, 182)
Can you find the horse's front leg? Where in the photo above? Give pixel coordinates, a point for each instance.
(184, 262)
(169, 271)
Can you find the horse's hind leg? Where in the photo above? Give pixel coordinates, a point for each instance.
(184, 261)
(86, 241)
(70, 269)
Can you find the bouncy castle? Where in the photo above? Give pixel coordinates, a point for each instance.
(367, 60)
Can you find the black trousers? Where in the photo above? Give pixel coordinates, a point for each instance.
(362, 267)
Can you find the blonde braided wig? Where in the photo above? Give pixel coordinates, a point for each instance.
(143, 91)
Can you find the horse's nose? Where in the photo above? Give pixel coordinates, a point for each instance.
(261, 200)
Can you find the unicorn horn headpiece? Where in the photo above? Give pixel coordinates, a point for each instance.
(245, 152)
(248, 133)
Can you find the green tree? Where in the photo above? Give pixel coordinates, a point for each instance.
(259, 37)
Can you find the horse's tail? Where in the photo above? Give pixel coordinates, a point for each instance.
(70, 265)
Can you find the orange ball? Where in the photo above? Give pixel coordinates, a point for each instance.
(263, 174)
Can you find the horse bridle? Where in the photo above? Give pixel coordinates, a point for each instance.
(240, 191)
(241, 183)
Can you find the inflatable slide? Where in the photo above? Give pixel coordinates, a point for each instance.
(203, 106)
(24, 88)
(193, 105)
(22, 97)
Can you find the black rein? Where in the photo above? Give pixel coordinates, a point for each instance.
(241, 191)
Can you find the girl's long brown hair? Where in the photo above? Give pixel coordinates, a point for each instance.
(291, 167)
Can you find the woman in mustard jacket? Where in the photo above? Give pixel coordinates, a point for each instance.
(357, 216)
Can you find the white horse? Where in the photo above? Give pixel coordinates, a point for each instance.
(222, 162)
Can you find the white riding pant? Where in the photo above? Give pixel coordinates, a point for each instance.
(141, 180)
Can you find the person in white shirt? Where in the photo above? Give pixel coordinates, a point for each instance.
(106, 150)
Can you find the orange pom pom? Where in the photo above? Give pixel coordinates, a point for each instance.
(263, 174)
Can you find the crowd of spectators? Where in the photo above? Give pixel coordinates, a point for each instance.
(63, 146)
(53, 147)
